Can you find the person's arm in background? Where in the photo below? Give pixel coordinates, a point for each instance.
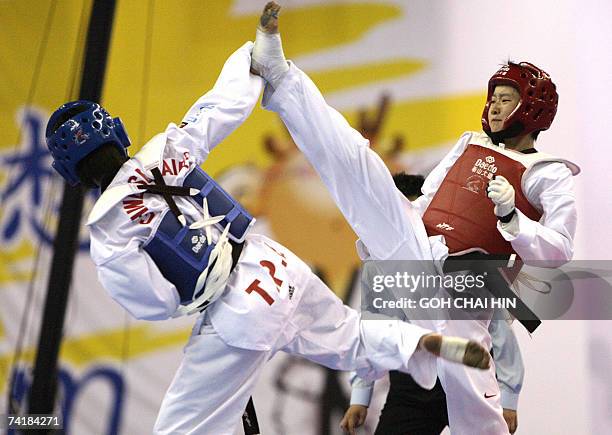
(509, 368)
(361, 395)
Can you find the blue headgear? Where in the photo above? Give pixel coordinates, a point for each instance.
(86, 126)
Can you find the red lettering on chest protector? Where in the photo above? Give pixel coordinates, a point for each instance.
(134, 204)
(136, 210)
(174, 166)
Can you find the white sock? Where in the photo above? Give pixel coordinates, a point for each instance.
(453, 348)
(268, 58)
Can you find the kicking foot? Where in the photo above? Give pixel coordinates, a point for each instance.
(268, 22)
(268, 59)
(467, 352)
(476, 356)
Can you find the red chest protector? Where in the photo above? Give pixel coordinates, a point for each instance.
(461, 211)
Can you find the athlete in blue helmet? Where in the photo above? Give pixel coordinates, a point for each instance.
(168, 241)
(79, 128)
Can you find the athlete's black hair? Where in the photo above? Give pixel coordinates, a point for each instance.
(409, 185)
(100, 166)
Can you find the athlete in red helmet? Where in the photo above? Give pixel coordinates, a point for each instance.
(532, 102)
(494, 193)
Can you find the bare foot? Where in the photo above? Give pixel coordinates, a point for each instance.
(268, 22)
(467, 352)
(476, 356)
(268, 59)
(431, 343)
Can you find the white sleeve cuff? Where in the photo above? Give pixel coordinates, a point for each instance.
(509, 399)
(519, 231)
(289, 77)
(361, 395)
(361, 392)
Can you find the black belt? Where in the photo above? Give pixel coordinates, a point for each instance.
(236, 251)
(249, 419)
(495, 283)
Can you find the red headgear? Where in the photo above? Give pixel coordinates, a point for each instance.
(537, 107)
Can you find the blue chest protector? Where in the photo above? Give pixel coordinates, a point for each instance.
(181, 253)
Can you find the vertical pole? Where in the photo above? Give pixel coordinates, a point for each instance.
(44, 383)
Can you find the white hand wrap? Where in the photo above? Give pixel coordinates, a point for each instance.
(268, 58)
(453, 348)
(501, 192)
